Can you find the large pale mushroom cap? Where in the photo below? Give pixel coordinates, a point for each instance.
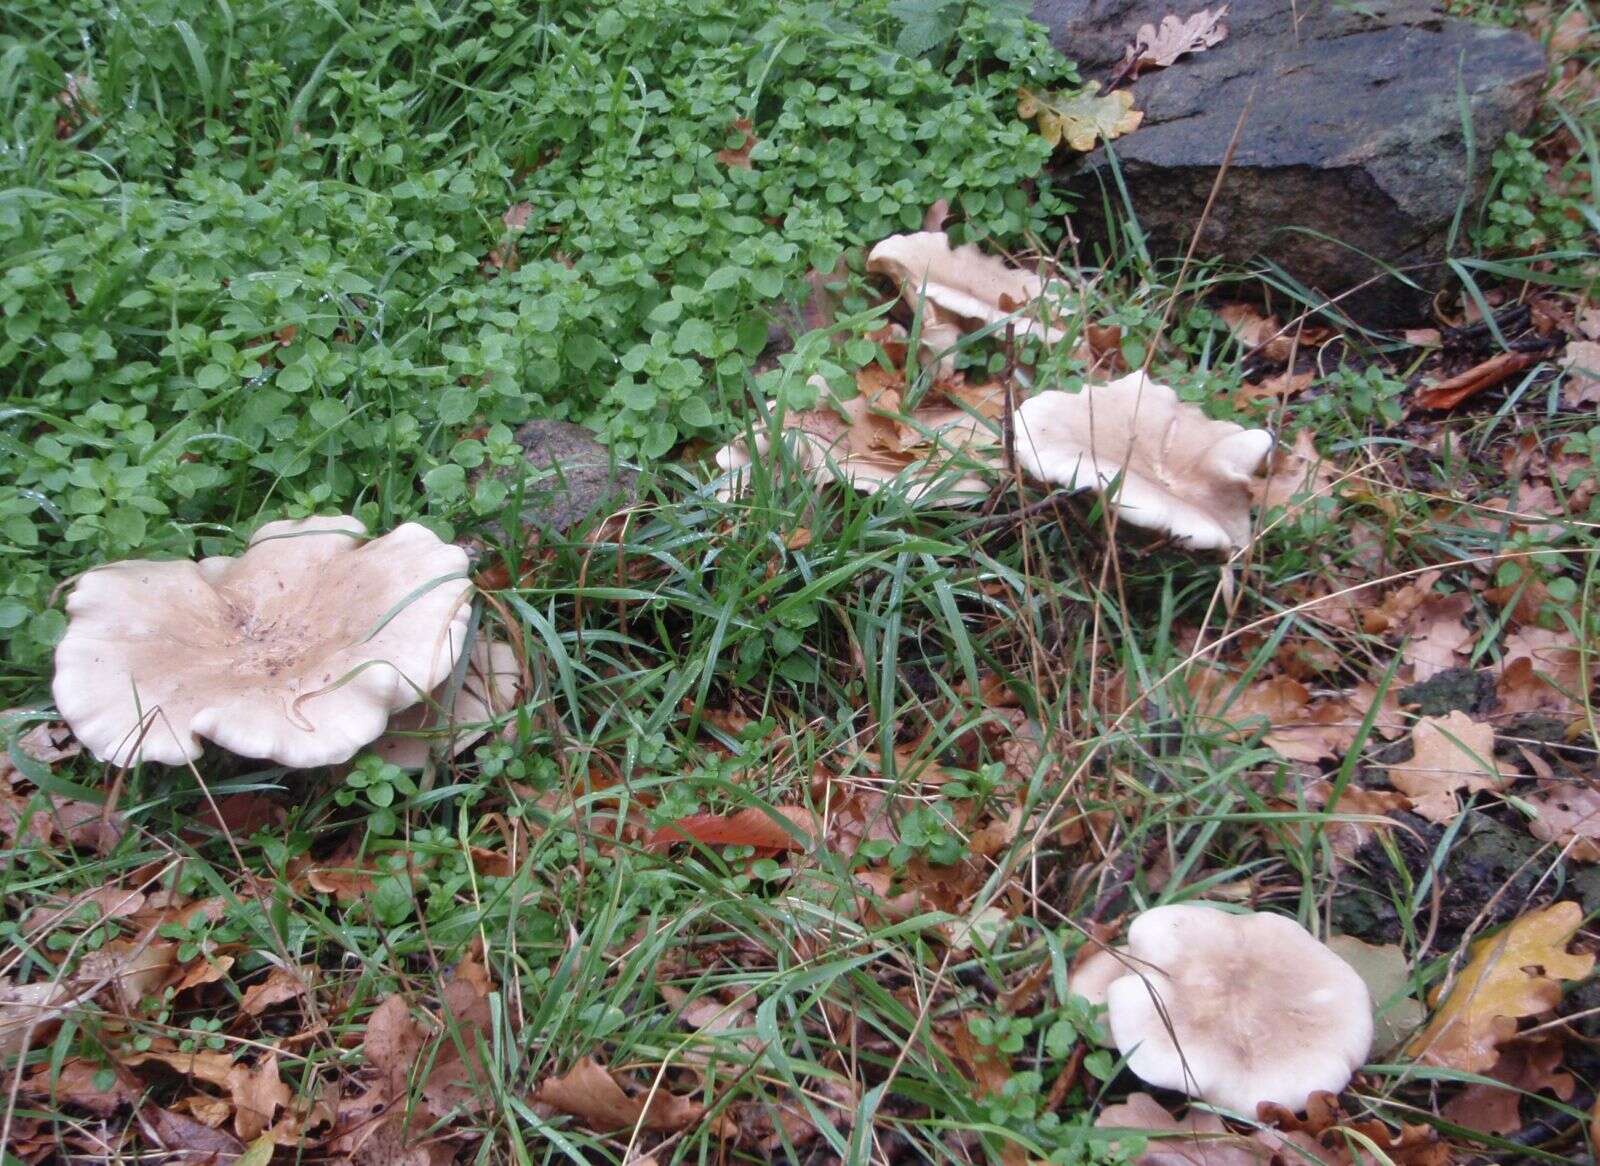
(1238, 1009)
(1182, 472)
(297, 651)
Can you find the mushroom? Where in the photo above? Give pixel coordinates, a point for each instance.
(488, 690)
(296, 651)
(1238, 1009)
(1178, 470)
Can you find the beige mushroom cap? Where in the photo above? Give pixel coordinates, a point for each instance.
(296, 651)
(1261, 1011)
(488, 690)
(1182, 472)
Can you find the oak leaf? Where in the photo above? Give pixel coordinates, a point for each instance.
(1567, 813)
(1157, 48)
(1082, 119)
(1582, 366)
(1531, 1065)
(1450, 753)
(1173, 469)
(1514, 974)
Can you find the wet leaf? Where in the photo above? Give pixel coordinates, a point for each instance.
(1082, 119)
(748, 827)
(1511, 975)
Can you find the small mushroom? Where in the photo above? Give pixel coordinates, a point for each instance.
(296, 651)
(1238, 1009)
(487, 691)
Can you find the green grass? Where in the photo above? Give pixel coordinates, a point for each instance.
(246, 277)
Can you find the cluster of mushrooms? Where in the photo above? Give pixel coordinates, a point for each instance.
(1234, 1009)
(313, 644)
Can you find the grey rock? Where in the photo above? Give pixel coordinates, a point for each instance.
(570, 475)
(1352, 145)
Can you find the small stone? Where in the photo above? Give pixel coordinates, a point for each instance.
(570, 476)
(1351, 145)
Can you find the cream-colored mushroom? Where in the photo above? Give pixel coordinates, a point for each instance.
(1180, 471)
(297, 651)
(488, 690)
(1238, 1009)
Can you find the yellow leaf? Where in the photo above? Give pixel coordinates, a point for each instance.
(1084, 118)
(1496, 988)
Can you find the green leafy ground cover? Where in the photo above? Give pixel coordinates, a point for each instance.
(264, 261)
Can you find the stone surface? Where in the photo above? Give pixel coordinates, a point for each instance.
(1352, 130)
(571, 475)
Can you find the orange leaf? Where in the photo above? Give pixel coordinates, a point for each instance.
(1496, 988)
(747, 827)
(589, 1093)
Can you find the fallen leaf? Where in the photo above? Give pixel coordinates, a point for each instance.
(1543, 671)
(1199, 1139)
(1296, 476)
(257, 1093)
(1081, 119)
(1280, 387)
(203, 971)
(1447, 394)
(28, 1013)
(280, 986)
(1158, 48)
(1258, 334)
(1508, 976)
(134, 969)
(1396, 1013)
(590, 1094)
(1582, 367)
(1341, 1140)
(392, 1042)
(738, 158)
(99, 1089)
(1423, 337)
(713, 1019)
(1532, 1065)
(192, 1139)
(1345, 835)
(1567, 814)
(1436, 634)
(1176, 470)
(1450, 753)
(751, 826)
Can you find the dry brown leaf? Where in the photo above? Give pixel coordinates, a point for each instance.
(192, 1139)
(1582, 367)
(1543, 671)
(1279, 387)
(751, 826)
(1345, 835)
(133, 969)
(1158, 48)
(590, 1094)
(712, 1018)
(392, 1042)
(1177, 470)
(203, 971)
(257, 1094)
(86, 1085)
(1450, 753)
(1511, 975)
(28, 1013)
(1262, 335)
(1532, 1065)
(738, 158)
(1084, 119)
(1569, 816)
(1341, 1140)
(1199, 1139)
(1296, 476)
(281, 985)
(1437, 635)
